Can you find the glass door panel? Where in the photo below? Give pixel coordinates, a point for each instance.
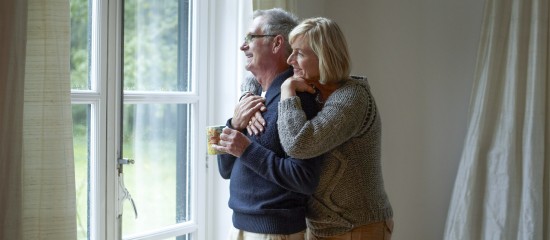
(156, 45)
(156, 137)
(80, 43)
(149, 115)
(155, 128)
(81, 145)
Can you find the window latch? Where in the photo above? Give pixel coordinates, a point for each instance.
(125, 161)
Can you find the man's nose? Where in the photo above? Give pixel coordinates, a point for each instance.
(290, 59)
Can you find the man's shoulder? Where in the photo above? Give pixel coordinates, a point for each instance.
(309, 104)
(306, 97)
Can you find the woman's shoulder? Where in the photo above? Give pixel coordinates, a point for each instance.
(354, 85)
(358, 81)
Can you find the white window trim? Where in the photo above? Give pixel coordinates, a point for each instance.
(229, 21)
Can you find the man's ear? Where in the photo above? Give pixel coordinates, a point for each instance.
(278, 44)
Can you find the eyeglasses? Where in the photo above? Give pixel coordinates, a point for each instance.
(249, 37)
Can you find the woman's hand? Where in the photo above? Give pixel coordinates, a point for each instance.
(256, 125)
(232, 142)
(293, 85)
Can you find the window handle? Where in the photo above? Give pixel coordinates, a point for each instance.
(124, 194)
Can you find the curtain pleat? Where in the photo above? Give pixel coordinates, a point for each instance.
(501, 188)
(49, 210)
(13, 20)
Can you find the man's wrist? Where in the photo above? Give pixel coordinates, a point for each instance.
(233, 126)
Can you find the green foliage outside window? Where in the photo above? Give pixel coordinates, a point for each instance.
(79, 58)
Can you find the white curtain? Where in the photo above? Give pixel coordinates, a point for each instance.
(36, 169)
(502, 187)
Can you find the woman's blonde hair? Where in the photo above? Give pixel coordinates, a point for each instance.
(329, 44)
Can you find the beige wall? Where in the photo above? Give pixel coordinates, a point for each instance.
(419, 57)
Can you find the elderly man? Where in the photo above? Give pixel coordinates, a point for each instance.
(268, 189)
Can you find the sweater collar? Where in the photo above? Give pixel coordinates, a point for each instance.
(275, 87)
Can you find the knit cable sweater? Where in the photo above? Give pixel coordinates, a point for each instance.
(348, 132)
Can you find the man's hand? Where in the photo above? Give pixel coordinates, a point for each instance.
(232, 142)
(245, 110)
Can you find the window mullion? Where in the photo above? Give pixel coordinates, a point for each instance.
(110, 57)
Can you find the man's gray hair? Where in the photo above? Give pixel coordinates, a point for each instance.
(278, 21)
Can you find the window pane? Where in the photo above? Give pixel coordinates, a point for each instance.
(156, 137)
(155, 45)
(79, 45)
(184, 237)
(81, 142)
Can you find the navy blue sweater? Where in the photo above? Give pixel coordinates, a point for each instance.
(269, 189)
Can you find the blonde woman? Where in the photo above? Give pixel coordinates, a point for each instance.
(350, 201)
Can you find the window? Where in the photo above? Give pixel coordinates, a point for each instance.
(139, 167)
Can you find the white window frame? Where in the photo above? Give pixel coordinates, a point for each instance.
(104, 120)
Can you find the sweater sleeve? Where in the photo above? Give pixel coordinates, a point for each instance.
(293, 174)
(342, 117)
(226, 161)
(225, 165)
